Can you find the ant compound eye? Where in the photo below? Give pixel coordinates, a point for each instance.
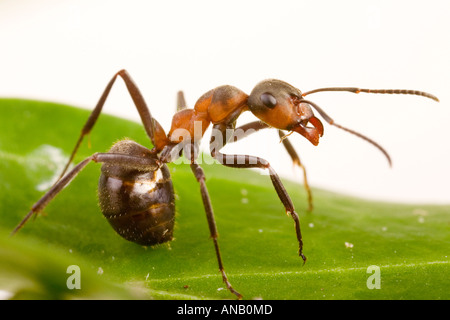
(268, 100)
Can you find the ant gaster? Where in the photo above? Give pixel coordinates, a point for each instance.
(135, 190)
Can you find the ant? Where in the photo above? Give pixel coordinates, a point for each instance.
(135, 189)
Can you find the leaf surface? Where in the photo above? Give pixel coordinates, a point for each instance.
(342, 237)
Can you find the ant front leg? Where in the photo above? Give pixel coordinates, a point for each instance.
(246, 161)
(129, 161)
(249, 128)
(153, 129)
(200, 176)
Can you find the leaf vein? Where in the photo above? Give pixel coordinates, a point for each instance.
(340, 270)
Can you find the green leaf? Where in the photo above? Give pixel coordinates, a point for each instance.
(342, 237)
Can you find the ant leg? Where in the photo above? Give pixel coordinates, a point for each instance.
(249, 128)
(246, 161)
(152, 127)
(181, 102)
(296, 160)
(200, 176)
(133, 162)
(235, 161)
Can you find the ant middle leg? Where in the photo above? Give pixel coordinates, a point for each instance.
(200, 176)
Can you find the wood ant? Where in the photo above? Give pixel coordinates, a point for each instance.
(135, 189)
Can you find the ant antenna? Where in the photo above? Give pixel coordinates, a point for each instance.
(379, 91)
(328, 119)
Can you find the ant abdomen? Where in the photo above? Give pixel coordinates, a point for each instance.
(139, 205)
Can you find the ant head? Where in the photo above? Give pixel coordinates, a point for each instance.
(281, 106)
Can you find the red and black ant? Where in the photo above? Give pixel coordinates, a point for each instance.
(135, 189)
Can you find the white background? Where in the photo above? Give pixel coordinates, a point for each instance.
(66, 51)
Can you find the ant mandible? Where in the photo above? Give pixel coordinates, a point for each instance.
(135, 190)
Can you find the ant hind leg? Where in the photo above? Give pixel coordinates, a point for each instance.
(139, 163)
(152, 127)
